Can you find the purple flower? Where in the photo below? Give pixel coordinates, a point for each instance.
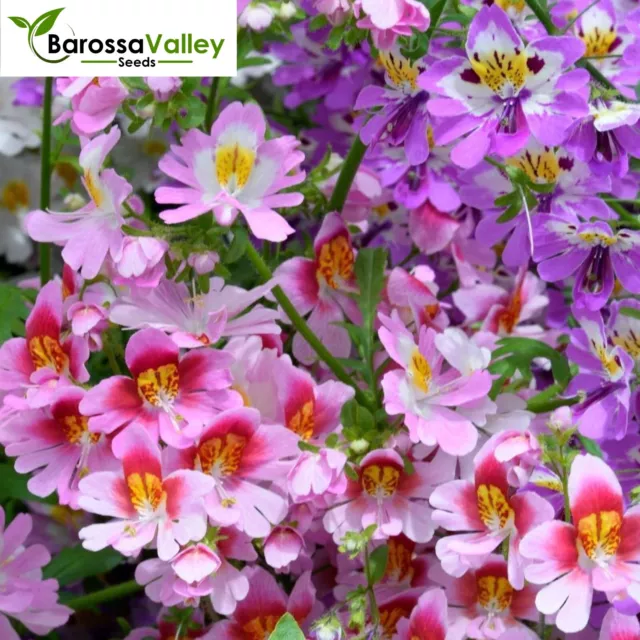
(592, 252)
(503, 90)
(29, 92)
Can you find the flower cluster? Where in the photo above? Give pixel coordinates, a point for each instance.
(356, 354)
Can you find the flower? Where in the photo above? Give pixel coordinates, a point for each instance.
(503, 91)
(164, 88)
(242, 457)
(234, 169)
(321, 286)
(196, 321)
(388, 20)
(142, 501)
(257, 16)
(256, 616)
(598, 551)
(489, 511)
(428, 620)
(387, 496)
(424, 393)
(171, 397)
(617, 626)
(15, 244)
(24, 595)
(57, 443)
(95, 230)
(590, 250)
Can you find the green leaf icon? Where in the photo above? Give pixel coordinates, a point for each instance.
(21, 22)
(45, 22)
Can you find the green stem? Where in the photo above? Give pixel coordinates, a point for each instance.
(211, 104)
(436, 14)
(104, 595)
(45, 176)
(625, 217)
(373, 605)
(565, 491)
(542, 15)
(111, 356)
(598, 76)
(347, 175)
(303, 328)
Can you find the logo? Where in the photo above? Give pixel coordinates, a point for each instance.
(40, 27)
(119, 39)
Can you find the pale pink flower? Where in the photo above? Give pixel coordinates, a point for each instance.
(143, 502)
(257, 16)
(234, 170)
(389, 19)
(140, 262)
(164, 88)
(617, 626)
(337, 11)
(286, 541)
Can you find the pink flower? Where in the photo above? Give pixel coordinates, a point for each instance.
(424, 393)
(172, 397)
(428, 620)
(57, 444)
(200, 320)
(143, 502)
(322, 286)
(598, 551)
(201, 570)
(243, 457)
(94, 103)
(42, 360)
(24, 595)
(337, 11)
(286, 541)
(94, 231)
(489, 513)
(140, 262)
(617, 626)
(389, 497)
(257, 16)
(163, 88)
(486, 603)
(389, 19)
(234, 169)
(257, 615)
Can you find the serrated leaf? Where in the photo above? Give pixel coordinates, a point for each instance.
(13, 312)
(14, 486)
(378, 559)
(287, 629)
(511, 212)
(76, 563)
(45, 22)
(21, 22)
(507, 199)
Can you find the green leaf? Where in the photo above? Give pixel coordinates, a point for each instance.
(335, 37)
(355, 416)
(14, 486)
(590, 446)
(75, 563)
(237, 247)
(546, 187)
(511, 212)
(378, 563)
(287, 629)
(370, 266)
(507, 199)
(516, 175)
(254, 61)
(13, 311)
(318, 22)
(45, 22)
(630, 312)
(21, 22)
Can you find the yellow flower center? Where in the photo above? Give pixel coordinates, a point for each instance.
(494, 593)
(500, 71)
(225, 454)
(594, 237)
(75, 426)
(599, 534)
(493, 507)
(420, 371)
(509, 317)
(46, 351)
(234, 165)
(159, 386)
(380, 481)
(505, 5)
(302, 422)
(399, 567)
(541, 167)
(598, 41)
(389, 619)
(630, 342)
(146, 493)
(94, 189)
(260, 628)
(401, 72)
(335, 262)
(15, 196)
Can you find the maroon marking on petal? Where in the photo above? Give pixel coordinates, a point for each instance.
(535, 64)
(615, 44)
(469, 75)
(565, 163)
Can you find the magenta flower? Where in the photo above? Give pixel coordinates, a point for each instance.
(246, 460)
(172, 397)
(503, 91)
(321, 286)
(234, 170)
(199, 571)
(598, 551)
(94, 103)
(389, 19)
(387, 496)
(24, 595)
(94, 231)
(257, 615)
(590, 250)
(142, 501)
(488, 511)
(424, 393)
(196, 321)
(617, 626)
(57, 444)
(428, 619)
(33, 364)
